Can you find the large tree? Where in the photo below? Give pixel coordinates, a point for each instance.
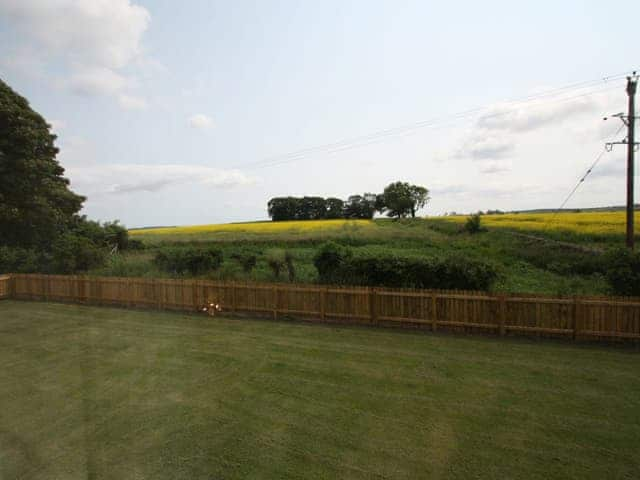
(401, 199)
(360, 206)
(36, 204)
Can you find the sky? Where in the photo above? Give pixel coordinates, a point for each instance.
(178, 113)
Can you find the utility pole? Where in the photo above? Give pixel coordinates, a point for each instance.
(631, 92)
(629, 121)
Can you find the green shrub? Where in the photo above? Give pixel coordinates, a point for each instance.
(623, 272)
(473, 224)
(72, 253)
(135, 244)
(126, 266)
(561, 259)
(276, 261)
(337, 265)
(192, 260)
(329, 261)
(19, 260)
(291, 269)
(247, 260)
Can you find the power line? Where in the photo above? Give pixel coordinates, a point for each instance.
(373, 138)
(363, 140)
(583, 178)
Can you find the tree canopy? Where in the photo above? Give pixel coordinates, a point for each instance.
(401, 199)
(317, 208)
(40, 226)
(36, 203)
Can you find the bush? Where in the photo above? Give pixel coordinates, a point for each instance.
(135, 244)
(473, 224)
(329, 261)
(560, 259)
(291, 269)
(247, 260)
(623, 272)
(72, 253)
(276, 261)
(336, 265)
(192, 260)
(19, 260)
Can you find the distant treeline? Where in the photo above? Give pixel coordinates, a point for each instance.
(317, 208)
(399, 199)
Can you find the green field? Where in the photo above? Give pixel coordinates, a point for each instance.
(534, 253)
(106, 393)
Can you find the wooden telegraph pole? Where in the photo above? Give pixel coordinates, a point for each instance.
(632, 83)
(629, 120)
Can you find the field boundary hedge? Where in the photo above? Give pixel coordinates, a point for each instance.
(575, 318)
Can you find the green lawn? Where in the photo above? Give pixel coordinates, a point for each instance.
(106, 393)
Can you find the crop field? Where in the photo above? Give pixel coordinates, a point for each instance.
(102, 393)
(235, 230)
(582, 223)
(534, 253)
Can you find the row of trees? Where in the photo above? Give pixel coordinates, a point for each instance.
(399, 199)
(40, 225)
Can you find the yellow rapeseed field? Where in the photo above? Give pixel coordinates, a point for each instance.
(598, 223)
(301, 226)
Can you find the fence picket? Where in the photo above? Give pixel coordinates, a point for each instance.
(599, 318)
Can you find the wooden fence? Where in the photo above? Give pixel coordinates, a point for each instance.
(4, 286)
(598, 318)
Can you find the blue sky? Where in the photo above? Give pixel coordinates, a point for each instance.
(167, 112)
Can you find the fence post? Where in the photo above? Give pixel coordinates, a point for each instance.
(575, 318)
(503, 314)
(275, 302)
(372, 304)
(129, 292)
(194, 294)
(233, 298)
(434, 313)
(323, 292)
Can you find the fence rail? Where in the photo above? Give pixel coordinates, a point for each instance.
(598, 318)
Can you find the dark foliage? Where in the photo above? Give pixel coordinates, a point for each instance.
(276, 261)
(247, 260)
(20, 260)
(317, 208)
(72, 253)
(338, 265)
(473, 224)
(40, 229)
(291, 269)
(623, 272)
(401, 199)
(36, 204)
(135, 244)
(192, 260)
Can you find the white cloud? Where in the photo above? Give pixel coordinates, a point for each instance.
(97, 81)
(492, 167)
(88, 32)
(485, 144)
(201, 121)
(128, 178)
(534, 114)
(493, 139)
(25, 62)
(92, 38)
(131, 102)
